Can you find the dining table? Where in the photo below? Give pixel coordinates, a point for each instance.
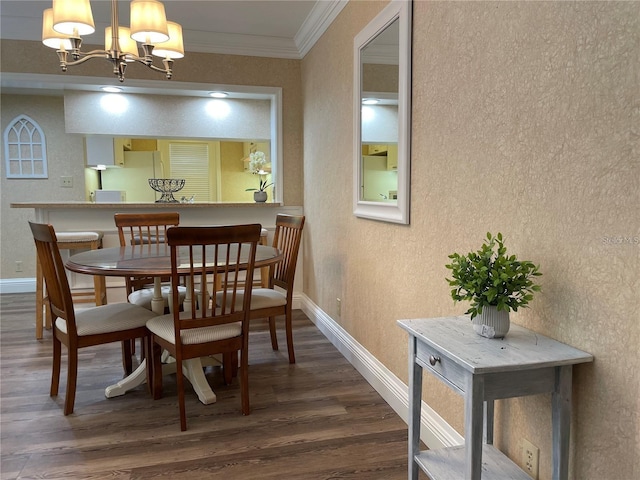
(155, 261)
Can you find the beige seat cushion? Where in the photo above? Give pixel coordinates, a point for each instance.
(144, 296)
(162, 326)
(71, 237)
(114, 317)
(260, 298)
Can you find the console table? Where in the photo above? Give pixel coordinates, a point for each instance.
(483, 370)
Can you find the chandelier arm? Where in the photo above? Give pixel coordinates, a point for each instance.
(89, 56)
(168, 64)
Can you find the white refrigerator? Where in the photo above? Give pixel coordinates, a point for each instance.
(133, 177)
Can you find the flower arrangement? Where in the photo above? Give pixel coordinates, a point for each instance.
(257, 164)
(490, 277)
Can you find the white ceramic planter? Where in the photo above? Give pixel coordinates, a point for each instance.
(492, 323)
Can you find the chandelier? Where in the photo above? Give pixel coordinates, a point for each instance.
(63, 25)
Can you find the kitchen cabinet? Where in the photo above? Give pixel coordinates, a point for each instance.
(120, 145)
(483, 370)
(378, 149)
(99, 151)
(107, 151)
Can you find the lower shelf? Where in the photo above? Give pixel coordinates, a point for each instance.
(449, 463)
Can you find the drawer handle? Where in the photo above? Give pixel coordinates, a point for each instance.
(433, 360)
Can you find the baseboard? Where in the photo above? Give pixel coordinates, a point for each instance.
(18, 285)
(434, 431)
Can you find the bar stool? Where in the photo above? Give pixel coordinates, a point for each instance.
(70, 241)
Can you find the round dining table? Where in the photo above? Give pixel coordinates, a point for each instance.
(154, 261)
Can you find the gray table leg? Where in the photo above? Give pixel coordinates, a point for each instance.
(561, 422)
(473, 426)
(488, 422)
(415, 402)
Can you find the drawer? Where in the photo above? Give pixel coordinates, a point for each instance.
(441, 366)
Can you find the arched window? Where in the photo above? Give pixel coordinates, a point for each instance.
(25, 149)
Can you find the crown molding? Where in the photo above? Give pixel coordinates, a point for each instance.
(320, 18)
(237, 44)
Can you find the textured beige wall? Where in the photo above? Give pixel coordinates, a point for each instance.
(66, 151)
(525, 121)
(65, 154)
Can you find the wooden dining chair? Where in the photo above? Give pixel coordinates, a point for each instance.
(115, 322)
(145, 229)
(269, 302)
(206, 256)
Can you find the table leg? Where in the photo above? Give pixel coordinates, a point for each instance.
(415, 403)
(137, 377)
(488, 422)
(473, 426)
(157, 302)
(188, 295)
(192, 369)
(561, 422)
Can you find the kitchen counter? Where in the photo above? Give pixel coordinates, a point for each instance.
(82, 216)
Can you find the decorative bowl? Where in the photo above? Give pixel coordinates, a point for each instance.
(166, 186)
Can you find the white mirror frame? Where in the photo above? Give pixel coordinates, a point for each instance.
(388, 212)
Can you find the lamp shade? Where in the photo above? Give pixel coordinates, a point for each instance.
(73, 17)
(50, 37)
(148, 22)
(128, 46)
(174, 47)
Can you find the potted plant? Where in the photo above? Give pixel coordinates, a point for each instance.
(257, 166)
(494, 282)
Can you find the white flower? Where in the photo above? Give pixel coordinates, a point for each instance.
(257, 162)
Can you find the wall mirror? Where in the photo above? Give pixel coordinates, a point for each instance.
(382, 115)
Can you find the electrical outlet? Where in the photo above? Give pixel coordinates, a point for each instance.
(339, 306)
(530, 457)
(18, 265)
(66, 182)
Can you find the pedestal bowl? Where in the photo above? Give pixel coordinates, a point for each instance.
(167, 187)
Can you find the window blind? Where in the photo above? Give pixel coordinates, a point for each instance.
(191, 162)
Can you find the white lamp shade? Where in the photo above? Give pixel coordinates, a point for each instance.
(73, 17)
(128, 46)
(50, 37)
(174, 47)
(148, 22)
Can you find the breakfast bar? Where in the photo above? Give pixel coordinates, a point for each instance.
(82, 216)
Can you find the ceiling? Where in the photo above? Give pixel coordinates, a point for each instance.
(268, 28)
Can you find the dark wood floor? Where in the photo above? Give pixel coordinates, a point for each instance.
(317, 419)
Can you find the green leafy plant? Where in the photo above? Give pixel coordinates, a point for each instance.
(263, 186)
(491, 277)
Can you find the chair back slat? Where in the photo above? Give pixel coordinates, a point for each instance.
(55, 276)
(287, 239)
(203, 257)
(143, 229)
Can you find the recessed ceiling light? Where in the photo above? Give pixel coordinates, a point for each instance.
(111, 89)
(219, 94)
(370, 101)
